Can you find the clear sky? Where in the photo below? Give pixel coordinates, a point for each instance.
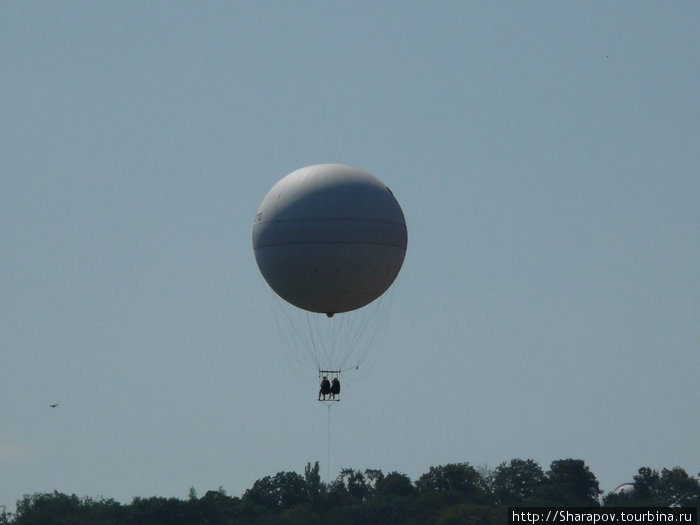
(546, 158)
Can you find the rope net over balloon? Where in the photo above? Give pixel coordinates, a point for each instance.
(347, 343)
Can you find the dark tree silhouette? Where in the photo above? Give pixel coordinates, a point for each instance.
(516, 482)
(455, 493)
(569, 482)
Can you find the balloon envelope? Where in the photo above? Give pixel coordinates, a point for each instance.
(329, 238)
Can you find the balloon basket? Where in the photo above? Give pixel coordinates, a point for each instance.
(330, 375)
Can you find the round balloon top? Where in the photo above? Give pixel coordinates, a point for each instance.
(329, 238)
(626, 489)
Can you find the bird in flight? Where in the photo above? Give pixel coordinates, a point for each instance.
(54, 405)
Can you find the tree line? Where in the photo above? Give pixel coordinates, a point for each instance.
(455, 493)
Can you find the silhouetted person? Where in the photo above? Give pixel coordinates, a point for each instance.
(325, 388)
(335, 387)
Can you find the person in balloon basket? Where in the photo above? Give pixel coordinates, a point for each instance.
(325, 388)
(335, 387)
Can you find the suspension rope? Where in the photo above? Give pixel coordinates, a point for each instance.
(342, 343)
(328, 461)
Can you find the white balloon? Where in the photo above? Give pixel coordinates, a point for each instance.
(329, 238)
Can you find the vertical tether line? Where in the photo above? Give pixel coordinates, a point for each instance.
(328, 460)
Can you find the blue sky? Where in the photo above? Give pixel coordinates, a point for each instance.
(546, 159)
